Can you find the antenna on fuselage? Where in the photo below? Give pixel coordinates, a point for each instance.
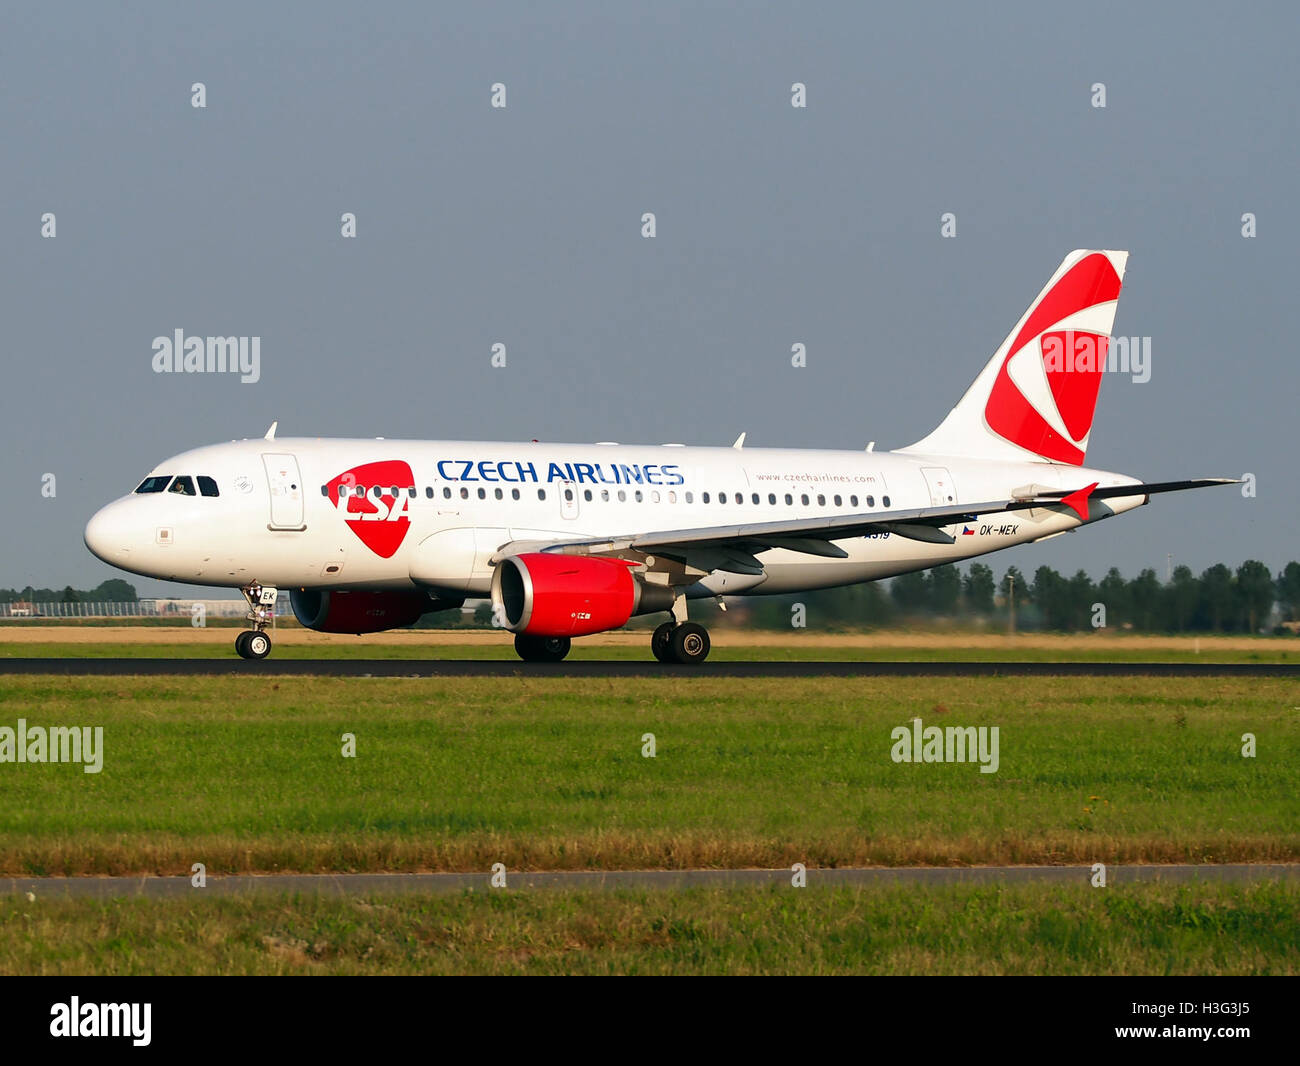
(270, 433)
(740, 442)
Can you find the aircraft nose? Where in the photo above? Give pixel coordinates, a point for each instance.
(107, 533)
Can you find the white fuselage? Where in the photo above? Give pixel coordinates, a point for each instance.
(279, 519)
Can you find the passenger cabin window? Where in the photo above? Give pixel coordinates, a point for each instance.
(884, 500)
(183, 486)
(207, 486)
(154, 484)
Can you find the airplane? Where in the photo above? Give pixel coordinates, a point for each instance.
(569, 540)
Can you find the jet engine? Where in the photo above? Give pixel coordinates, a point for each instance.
(546, 594)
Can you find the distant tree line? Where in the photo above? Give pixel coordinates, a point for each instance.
(114, 590)
(1220, 600)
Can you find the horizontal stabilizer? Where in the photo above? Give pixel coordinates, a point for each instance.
(1152, 489)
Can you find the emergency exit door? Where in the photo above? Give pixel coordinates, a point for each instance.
(568, 500)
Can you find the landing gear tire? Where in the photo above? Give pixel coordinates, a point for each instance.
(690, 644)
(661, 642)
(252, 644)
(542, 649)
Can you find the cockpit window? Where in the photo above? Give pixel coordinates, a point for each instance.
(156, 483)
(183, 486)
(207, 486)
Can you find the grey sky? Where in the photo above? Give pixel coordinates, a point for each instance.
(775, 225)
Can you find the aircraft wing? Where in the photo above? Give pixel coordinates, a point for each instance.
(733, 547)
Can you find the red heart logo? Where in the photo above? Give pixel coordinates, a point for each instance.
(379, 521)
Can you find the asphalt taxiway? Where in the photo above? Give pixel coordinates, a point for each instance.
(505, 668)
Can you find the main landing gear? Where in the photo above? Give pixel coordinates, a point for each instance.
(686, 643)
(255, 643)
(676, 641)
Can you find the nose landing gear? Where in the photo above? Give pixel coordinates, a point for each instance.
(255, 643)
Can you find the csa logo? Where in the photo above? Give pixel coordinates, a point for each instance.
(1070, 361)
(380, 522)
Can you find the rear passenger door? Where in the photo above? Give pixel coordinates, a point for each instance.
(939, 482)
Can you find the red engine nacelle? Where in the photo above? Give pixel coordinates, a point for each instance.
(362, 611)
(550, 595)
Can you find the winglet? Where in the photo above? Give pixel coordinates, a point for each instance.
(270, 433)
(1079, 500)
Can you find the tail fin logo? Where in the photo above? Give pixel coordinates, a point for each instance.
(374, 500)
(1044, 400)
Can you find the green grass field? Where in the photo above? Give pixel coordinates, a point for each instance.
(548, 773)
(1023, 929)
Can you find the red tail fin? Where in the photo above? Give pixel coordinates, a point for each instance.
(1036, 397)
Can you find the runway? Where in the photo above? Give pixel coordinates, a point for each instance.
(595, 881)
(581, 668)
